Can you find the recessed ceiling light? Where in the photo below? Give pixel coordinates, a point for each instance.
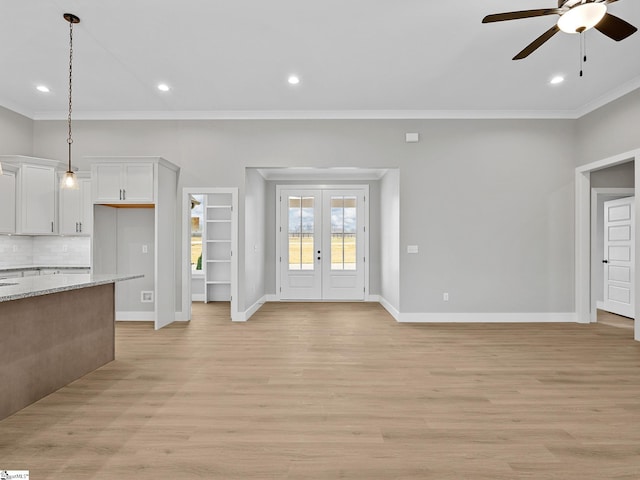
(556, 80)
(293, 80)
(163, 87)
(43, 89)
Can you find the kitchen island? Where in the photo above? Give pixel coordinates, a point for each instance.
(53, 330)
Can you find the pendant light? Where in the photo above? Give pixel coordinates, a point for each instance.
(69, 180)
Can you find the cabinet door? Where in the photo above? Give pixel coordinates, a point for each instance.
(138, 182)
(108, 183)
(37, 198)
(8, 202)
(86, 208)
(70, 211)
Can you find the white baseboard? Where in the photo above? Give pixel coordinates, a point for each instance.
(271, 297)
(135, 317)
(246, 315)
(197, 297)
(372, 298)
(600, 305)
(518, 317)
(181, 317)
(390, 308)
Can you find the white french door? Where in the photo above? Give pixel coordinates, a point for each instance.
(619, 256)
(322, 243)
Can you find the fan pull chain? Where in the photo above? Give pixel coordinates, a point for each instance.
(583, 49)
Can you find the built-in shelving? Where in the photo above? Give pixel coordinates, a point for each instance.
(217, 246)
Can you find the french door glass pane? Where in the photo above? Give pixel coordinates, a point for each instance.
(301, 229)
(343, 233)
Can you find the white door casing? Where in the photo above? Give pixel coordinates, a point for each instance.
(619, 256)
(322, 243)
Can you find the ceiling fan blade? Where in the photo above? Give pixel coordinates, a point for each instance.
(537, 43)
(615, 28)
(500, 17)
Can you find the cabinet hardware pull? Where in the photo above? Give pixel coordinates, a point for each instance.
(51, 227)
(80, 223)
(120, 194)
(124, 194)
(76, 227)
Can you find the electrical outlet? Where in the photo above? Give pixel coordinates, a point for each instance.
(146, 296)
(145, 248)
(445, 296)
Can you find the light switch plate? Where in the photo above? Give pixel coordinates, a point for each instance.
(412, 248)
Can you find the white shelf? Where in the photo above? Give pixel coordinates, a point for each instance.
(217, 256)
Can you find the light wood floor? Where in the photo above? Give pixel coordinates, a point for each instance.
(325, 391)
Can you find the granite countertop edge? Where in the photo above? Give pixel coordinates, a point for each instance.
(13, 268)
(75, 283)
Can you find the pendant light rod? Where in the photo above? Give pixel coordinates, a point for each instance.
(69, 180)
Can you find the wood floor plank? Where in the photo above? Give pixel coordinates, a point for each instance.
(340, 390)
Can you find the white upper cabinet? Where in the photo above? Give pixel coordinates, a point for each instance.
(123, 182)
(37, 193)
(8, 201)
(76, 209)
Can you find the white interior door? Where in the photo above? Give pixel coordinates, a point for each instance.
(322, 244)
(343, 244)
(619, 256)
(301, 244)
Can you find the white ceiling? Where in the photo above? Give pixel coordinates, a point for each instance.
(356, 59)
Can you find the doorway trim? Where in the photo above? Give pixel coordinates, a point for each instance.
(364, 187)
(584, 303)
(186, 247)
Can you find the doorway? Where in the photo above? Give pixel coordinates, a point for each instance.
(585, 306)
(322, 242)
(212, 272)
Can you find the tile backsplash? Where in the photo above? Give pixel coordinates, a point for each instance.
(18, 250)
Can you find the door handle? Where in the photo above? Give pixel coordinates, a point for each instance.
(605, 261)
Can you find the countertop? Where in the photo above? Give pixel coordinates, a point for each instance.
(14, 268)
(24, 287)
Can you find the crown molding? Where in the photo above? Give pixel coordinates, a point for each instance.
(314, 115)
(609, 97)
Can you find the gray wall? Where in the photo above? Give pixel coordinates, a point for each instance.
(609, 130)
(622, 175)
(489, 202)
(16, 133)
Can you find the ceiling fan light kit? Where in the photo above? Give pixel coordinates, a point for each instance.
(576, 16)
(582, 17)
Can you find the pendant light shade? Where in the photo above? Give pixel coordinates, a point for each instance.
(69, 180)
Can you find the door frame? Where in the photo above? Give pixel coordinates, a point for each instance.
(186, 247)
(597, 194)
(363, 187)
(585, 304)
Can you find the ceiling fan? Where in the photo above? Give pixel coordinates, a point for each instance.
(576, 16)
